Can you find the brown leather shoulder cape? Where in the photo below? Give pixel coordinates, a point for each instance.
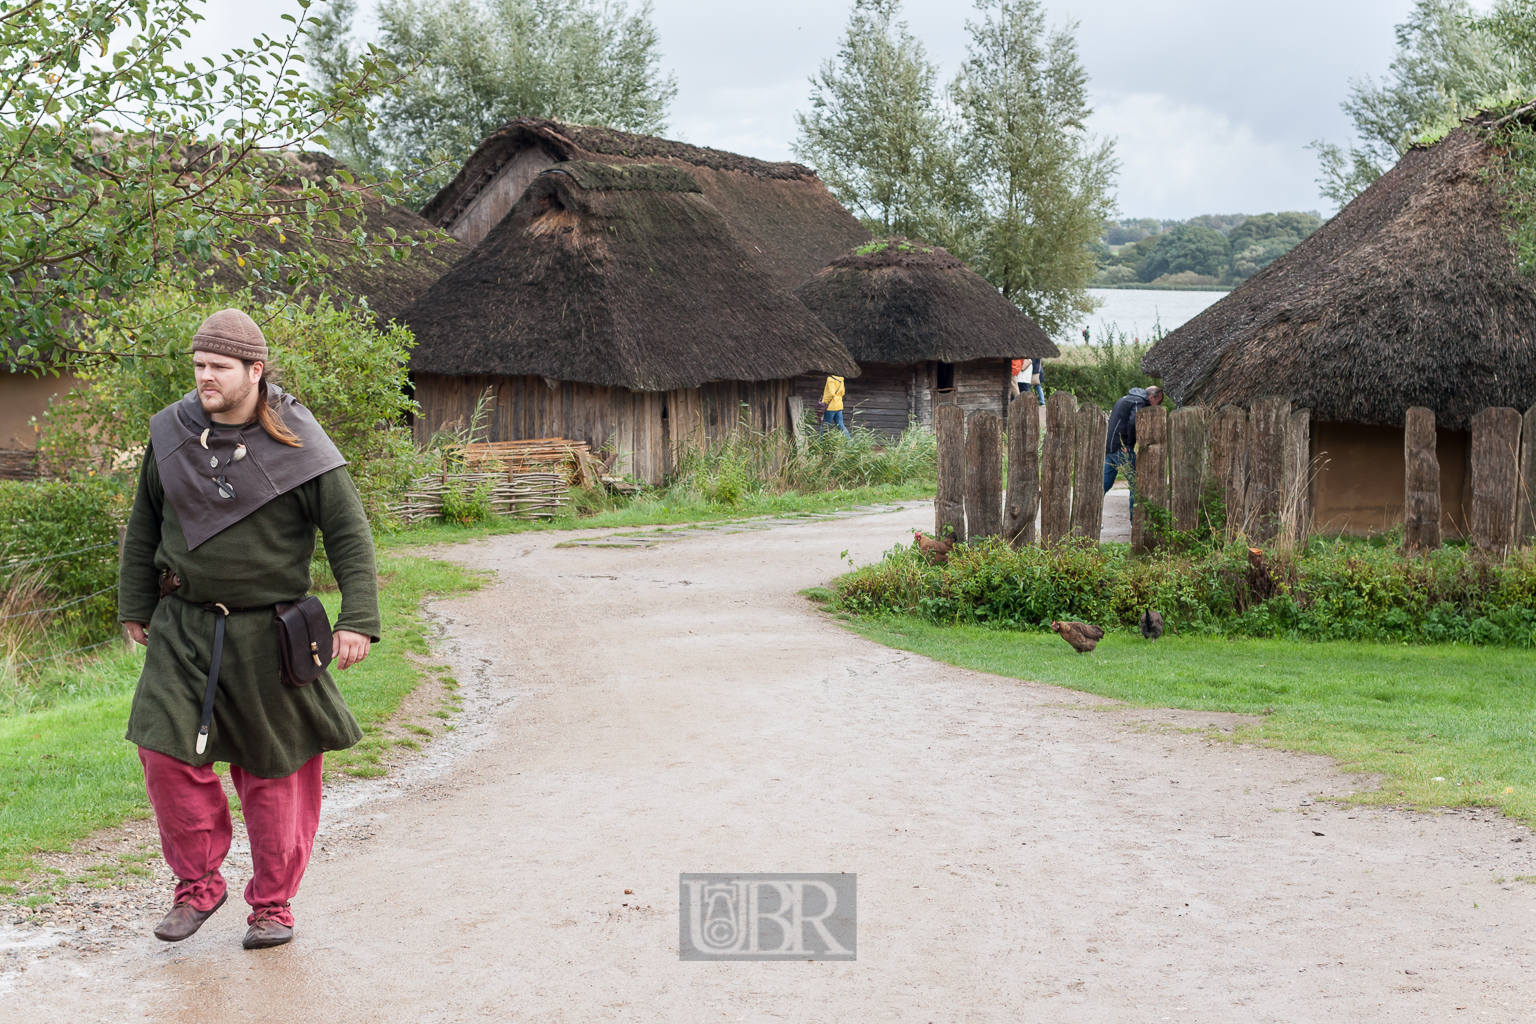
(208, 486)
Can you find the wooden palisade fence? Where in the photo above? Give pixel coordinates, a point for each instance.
(1259, 460)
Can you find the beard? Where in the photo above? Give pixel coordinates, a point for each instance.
(223, 401)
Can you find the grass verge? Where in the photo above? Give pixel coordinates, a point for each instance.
(1448, 725)
(664, 510)
(66, 771)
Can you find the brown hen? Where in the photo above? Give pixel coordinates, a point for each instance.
(936, 550)
(1083, 636)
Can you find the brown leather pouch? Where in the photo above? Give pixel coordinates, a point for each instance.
(303, 640)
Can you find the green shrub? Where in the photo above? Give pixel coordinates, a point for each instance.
(1102, 371)
(1333, 590)
(58, 544)
(465, 506)
(347, 371)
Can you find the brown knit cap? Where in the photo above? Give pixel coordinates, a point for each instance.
(230, 332)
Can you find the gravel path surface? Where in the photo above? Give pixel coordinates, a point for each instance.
(1023, 852)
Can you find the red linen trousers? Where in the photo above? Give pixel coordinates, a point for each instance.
(281, 817)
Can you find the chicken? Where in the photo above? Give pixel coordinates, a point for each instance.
(1151, 624)
(1081, 635)
(936, 550)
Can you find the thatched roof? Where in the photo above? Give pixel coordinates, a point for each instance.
(900, 301)
(782, 213)
(623, 276)
(390, 285)
(1410, 296)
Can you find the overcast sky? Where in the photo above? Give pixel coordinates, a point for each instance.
(1211, 102)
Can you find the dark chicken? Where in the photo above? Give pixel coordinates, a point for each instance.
(1151, 624)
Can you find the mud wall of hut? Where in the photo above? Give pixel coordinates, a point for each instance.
(1358, 489)
(645, 427)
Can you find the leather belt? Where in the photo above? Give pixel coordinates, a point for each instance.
(211, 689)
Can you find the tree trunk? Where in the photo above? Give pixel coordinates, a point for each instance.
(1421, 485)
(1525, 518)
(1186, 465)
(1088, 471)
(1229, 461)
(949, 503)
(1495, 473)
(1267, 423)
(1296, 478)
(1150, 481)
(1023, 498)
(1056, 468)
(983, 476)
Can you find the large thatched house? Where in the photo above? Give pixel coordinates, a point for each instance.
(1409, 297)
(781, 213)
(614, 304)
(924, 328)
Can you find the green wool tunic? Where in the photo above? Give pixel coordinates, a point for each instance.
(267, 728)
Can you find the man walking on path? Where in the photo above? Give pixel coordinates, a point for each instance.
(1120, 445)
(235, 480)
(832, 399)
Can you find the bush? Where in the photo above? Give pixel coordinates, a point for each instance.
(346, 370)
(58, 544)
(1102, 372)
(1333, 590)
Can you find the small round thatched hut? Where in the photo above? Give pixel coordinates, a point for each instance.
(1410, 296)
(924, 328)
(614, 303)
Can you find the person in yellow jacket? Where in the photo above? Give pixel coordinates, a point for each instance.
(832, 405)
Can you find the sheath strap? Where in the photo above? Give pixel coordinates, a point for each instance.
(213, 679)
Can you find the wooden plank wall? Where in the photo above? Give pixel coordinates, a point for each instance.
(883, 397)
(644, 426)
(979, 384)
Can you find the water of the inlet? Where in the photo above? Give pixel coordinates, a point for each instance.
(1138, 312)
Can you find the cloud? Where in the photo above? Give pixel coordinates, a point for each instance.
(1179, 159)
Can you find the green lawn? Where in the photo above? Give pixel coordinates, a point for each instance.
(66, 771)
(1464, 714)
(660, 510)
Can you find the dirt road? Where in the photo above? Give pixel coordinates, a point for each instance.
(1023, 853)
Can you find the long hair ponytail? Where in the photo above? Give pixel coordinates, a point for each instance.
(266, 409)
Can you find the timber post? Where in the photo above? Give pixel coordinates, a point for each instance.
(1056, 467)
(1421, 482)
(1229, 461)
(1525, 504)
(1023, 496)
(983, 476)
(1296, 477)
(1495, 472)
(1186, 465)
(1149, 483)
(1268, 420)
(1088, 471)
(949, 503)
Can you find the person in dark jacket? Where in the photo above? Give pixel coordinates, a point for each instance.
(1120, 445)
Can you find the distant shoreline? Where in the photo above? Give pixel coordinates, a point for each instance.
(1139, 287)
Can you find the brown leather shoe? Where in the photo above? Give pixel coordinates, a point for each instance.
(183, 920)
(266, 933)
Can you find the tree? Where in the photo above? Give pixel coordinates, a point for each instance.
(1040, 185)
(875, 132)
(481, 63)
(1447, 65)
(1186, 247)
(1291, 223)
(120, 170)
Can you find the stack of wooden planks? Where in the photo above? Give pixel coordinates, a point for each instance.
(518, 495)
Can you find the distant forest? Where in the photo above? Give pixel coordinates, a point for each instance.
(1211, 249)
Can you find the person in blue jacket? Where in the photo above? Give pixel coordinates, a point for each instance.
(1120, 445)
